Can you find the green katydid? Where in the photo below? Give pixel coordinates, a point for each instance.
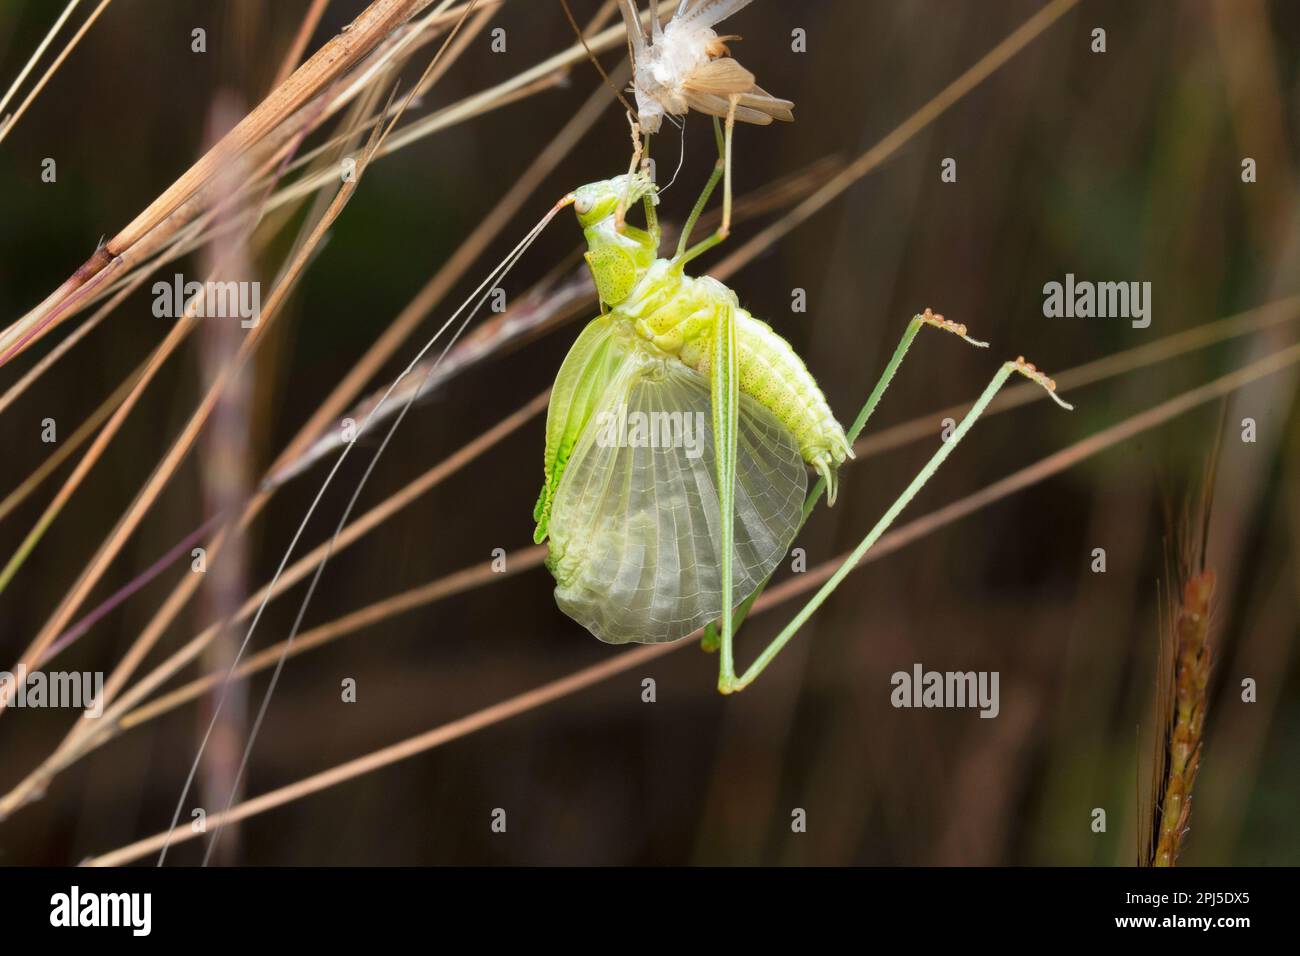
(648, 544)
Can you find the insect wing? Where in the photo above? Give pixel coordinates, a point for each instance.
(764, 102)
(593, 362)
(723, 76)
(708, 89)
(635, 530)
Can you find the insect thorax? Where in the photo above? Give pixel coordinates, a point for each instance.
(674, 312)
(618, 259)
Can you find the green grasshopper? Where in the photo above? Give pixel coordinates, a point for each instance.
(647, 542)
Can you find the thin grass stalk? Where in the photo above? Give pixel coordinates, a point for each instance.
(177, 334)
(86, 734)
(182, 444)
(10, 122)
(377, 138)
(300, 258)
(223, 461)
(197, 210)
(186, 324)
(69, 445)
(35, 57)
(278, 106)
(458, 582)
(181, 548)
(177, 235)
(326, 66)
(181, 594)
(293, 56)
(988, 64)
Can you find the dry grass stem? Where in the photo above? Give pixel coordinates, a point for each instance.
(8, 123)
(326, 66)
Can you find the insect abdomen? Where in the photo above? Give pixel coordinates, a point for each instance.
(774, 375)
(679, 314)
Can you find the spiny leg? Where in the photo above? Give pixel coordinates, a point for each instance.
(724, 230)
(923, 476)
(710, 639)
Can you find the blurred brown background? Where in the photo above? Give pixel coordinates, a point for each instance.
(1117, 166)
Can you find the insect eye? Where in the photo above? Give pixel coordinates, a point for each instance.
(582, 205)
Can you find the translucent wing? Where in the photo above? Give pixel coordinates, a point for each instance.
(634, 524)
(593, 362)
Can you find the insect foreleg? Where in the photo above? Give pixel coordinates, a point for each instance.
(724, 161)
(910, 492)
(719, 167)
